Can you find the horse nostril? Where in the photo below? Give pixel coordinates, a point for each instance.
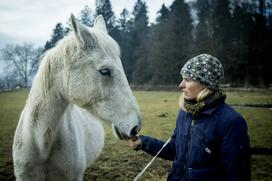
(134, 131)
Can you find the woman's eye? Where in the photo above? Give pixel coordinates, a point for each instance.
(187, 79)
(105, 72)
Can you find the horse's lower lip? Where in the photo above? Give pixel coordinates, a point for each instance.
(120, 135)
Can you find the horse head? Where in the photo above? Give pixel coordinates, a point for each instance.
(94, 79)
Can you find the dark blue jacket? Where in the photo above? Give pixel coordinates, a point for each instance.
(212, 146)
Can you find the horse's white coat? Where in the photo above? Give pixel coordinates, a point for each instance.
(59, 133)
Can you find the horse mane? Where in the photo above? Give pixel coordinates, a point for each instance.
(68, 48)
(51, 60)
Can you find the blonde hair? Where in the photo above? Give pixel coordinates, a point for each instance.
(204, 93)
(201, 95)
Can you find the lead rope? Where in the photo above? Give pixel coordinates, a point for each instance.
(151, 161)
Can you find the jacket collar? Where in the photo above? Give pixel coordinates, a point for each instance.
(210, 110)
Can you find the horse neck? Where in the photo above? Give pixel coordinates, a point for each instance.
(44, 110)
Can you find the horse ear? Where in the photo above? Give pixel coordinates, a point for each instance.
(76, 28)
(99, 23)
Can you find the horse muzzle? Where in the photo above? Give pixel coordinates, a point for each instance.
(131, 134)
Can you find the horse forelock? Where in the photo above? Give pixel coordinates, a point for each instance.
(106, 43)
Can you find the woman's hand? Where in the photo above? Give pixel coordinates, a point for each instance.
(134, 142)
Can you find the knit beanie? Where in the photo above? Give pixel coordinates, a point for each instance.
(206, 69)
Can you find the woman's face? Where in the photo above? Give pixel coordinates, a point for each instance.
(190, 88)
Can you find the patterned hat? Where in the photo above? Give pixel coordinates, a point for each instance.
(205, 68)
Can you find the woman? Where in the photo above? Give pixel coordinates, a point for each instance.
(210, 141)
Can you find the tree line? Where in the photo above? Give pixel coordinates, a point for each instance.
(239, 33)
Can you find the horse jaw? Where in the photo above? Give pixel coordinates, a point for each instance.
(122, 130)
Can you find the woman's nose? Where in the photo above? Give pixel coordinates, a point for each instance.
(181, 85)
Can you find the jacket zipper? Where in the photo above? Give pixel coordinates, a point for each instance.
(188, 142)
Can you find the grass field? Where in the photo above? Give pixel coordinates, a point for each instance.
(118, 162)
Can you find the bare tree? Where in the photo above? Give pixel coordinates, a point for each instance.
(2, 82)
(22, 60)
(87, 16)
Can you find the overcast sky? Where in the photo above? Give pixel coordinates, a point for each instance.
(33, 20)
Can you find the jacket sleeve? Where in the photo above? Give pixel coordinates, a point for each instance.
(153, 145)
(235, 150)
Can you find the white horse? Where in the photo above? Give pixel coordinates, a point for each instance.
(79, 82)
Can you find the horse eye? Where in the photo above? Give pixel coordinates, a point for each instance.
(105, 72)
